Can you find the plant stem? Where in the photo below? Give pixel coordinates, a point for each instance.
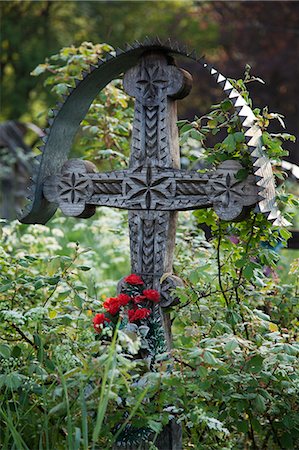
(219, 268)
(23, 335)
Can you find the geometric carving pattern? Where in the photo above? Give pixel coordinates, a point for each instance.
(230, 195)
(152, 189)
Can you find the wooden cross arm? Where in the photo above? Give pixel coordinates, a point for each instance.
(79, 189)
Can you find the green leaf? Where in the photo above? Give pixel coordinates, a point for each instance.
(262, 315)
(2, 380)
(202, 372)
(78, 301)
(41, 68)
(255, 364)
(248, 271)
(259, 403)
(84, 268)
(197, 135)
(233, 317)
(212, 123)
(37, 340)
(64, 295)
(52, 314)
(59, 409)
(239, 137)
(286, 234)
(155, 426)
(180, 123)
(53, 280)
(13, 380)
(229, 143)
(209, 358)
(242, 426)
(5, 287)
(185, 128)
(226, 105)
(49, 364)
(231, 345)
(38, 284)
(194, 276)
(242, 174)
(61, 88)
(4, 350)
(16, 351)
(287, 440)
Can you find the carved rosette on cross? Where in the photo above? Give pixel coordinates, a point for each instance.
(153, 188)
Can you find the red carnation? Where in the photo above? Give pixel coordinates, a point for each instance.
(133, 279)
(123, 299)
(138, 314)
(139, 299)
(131, 314)
(98, 320)
(151, 294)
(112, 305)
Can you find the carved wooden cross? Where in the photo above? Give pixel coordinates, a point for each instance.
(153, 188)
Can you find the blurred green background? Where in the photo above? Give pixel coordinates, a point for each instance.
(230, 34)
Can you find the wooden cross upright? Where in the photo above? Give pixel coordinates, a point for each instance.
(153, 188)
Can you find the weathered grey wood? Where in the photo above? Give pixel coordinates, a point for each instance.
(151, 188)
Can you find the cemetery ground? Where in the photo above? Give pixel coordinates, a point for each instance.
(231, 378)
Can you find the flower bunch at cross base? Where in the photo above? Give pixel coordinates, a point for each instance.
(132, 306)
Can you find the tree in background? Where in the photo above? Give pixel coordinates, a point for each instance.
(231, 34)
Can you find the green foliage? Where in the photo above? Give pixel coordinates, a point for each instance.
(236, 339)
(232, 381)
(105, 129)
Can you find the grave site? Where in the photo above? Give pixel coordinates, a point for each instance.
(193, 342)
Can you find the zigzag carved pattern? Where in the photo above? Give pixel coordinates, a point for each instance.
(164, 150)
(134, 222)
(108, 188)
(148, 249)
(151, 128)
(108, 201)
(136, 154)
(189, 188)
(148, 257)
(162, 223)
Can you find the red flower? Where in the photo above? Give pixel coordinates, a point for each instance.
(123, 299)
(112, 305)
(139, 299)
(98, 320)
(131, 314)
(138, 314)
(152, 294)
(133, 279)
